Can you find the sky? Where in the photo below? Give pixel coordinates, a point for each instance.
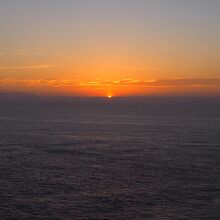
(110, 47)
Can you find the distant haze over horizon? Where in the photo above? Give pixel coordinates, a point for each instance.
(117, 48)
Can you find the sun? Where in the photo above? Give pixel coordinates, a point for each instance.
(109, 96)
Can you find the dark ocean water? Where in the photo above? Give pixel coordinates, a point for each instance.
(68, 159)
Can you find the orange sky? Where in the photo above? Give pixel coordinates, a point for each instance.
(97, 48)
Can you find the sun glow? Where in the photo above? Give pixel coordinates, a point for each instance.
(109, 96)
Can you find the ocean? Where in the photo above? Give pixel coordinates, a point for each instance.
(120, 158)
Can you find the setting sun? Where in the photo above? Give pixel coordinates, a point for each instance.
(109, 96)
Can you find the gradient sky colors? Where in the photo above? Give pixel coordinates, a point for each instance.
(103, 47)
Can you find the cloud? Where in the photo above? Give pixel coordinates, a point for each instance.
(90, 62)
(187, 82)
(139, 63)
(111, 83)
(2, 53)
(155, 83)
(43, 66)
(38, 82)
(39, 50)
(21, 52)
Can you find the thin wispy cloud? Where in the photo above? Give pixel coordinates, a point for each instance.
(112, 83)
(43, 66)
(139, 63)
(21, 52)
(90, 62)
(2, 53)
(39, 50)
(38, 82)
